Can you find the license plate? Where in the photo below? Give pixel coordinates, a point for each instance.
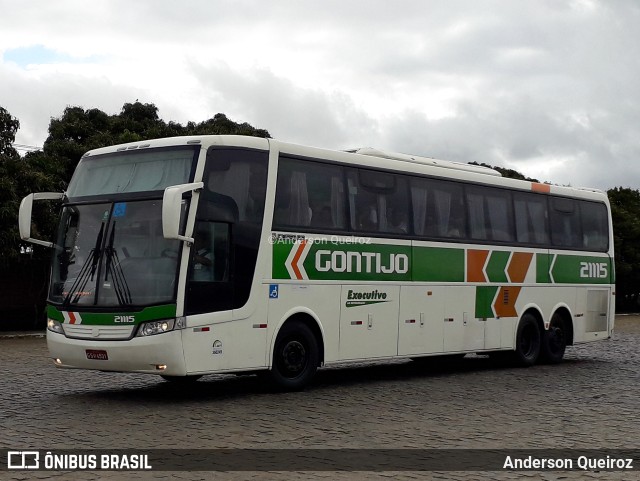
(98, 355)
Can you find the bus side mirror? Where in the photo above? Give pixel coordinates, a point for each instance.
(171, 207)
(24, 215)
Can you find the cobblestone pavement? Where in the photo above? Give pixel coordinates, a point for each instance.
(589, 401)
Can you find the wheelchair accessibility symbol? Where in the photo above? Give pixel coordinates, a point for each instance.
(273, 291)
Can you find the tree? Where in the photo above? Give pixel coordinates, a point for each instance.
(221, 125)
(19, 177)
(9, 125)
(508, 173)
(79, 130)
(24, 276)
(625, 211)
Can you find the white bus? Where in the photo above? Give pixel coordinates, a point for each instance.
(189, 256)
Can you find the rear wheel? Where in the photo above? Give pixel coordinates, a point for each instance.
(295, 357)
(528, 341)
(554, 341)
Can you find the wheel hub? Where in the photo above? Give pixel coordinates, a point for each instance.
(294, 356)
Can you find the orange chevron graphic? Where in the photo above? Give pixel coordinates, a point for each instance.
(505, 303)
(519, 266)
(476, 259)
(296, 259)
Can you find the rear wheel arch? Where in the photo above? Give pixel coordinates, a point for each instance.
(556, 338)
(562, 314)
(537, 314)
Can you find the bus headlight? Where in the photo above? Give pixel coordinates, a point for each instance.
(152, 328)
(55, 326)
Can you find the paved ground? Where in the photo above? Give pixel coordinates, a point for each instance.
(589, 401)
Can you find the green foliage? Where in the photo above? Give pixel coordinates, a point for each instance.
(19, 177)
(625, 211)
(508, 173)
(8, 127)
(79, 130)
(220, 124)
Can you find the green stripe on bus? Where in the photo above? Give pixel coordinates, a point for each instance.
(153, 313)
(338, 261)
(438, 264)
(543, 261)
(484, 301)
(497, 265)
(578, 269)
(365, 262)
(280, 253)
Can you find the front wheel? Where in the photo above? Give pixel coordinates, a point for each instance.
(554, 341)
(528, 341)
(295, 357)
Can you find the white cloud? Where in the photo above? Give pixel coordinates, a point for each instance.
(545, 87)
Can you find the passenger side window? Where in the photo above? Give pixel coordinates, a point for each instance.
(566, 230)
(241, 177)
(438, 209)
(594, 226)
(309, 194)
(378, 202)
(490, 214)
(531, 218)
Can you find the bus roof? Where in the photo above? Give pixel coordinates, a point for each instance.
(446, 164)
(383, 159)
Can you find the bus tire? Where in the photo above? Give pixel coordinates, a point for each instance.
(295, 357)
(554, 341)
(528, 341)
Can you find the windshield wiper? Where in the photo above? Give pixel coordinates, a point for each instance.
(87, 271)
(113, 268)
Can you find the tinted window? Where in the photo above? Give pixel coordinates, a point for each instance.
(594, 226)
(238, 176)
(438, 209)
(378, 202)
(234, 197)
(490, 214)
(566, 229)
(312, 195)
(531, 218)
(209, 288)
(309, 194)
(133, 171)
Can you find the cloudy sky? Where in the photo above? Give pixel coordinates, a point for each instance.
(550, 88)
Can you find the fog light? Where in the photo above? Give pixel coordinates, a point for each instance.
(57, 362)
(161, 367)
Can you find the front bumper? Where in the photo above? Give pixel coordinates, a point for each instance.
(139, 354)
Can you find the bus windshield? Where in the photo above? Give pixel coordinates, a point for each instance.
(114, 254)
(132, 171)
